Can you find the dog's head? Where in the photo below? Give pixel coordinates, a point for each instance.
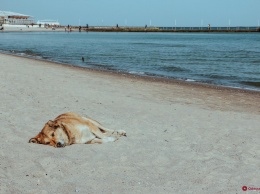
(52, 134)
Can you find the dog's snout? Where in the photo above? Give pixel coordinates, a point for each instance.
(59, 144)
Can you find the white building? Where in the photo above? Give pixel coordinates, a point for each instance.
(12, 18)
(48, 22)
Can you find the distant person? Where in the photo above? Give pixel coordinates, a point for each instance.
(82, 59)
(208, 26)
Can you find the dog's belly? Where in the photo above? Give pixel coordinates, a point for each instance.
(84, 135)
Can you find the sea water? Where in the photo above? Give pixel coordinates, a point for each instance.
(229, 59)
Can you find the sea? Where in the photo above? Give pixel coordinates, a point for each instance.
(223, 59)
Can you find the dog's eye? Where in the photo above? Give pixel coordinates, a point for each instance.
(52, 134)
(47, 143)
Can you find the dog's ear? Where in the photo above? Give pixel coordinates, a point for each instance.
(50, 123)
(53, 124)
(33, 140)
(56, 125)
(36, 139)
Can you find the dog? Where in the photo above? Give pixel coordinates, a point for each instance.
(72, 128)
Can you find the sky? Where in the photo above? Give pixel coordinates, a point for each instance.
(140, 12)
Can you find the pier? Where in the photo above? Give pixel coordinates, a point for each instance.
(170, 29)
(32, 28)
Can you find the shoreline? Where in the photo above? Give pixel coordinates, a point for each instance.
(147, 77)
(193, 88)
(181, 137)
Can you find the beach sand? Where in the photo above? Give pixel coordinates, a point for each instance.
(181, 137)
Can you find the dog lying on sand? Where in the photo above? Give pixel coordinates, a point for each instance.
(71, 128)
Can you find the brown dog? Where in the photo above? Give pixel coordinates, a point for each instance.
(71, 128)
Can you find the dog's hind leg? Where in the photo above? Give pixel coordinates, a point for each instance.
(101, 131)
(103, 140)
(97, 132)
(110, 132)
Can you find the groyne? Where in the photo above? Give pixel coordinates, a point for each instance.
(170, 29)
(132, 29)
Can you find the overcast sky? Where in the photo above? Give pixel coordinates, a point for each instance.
(140, 12)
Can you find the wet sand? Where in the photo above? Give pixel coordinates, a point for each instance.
(182, 137)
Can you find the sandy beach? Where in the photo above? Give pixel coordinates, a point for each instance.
(181, 137)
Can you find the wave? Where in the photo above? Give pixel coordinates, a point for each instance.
(250, 83)
(30, 52)
(190, 80)
(173, 69)
(100, 66)
(220, 77)
(27, 52)
(137, 72)
(160, 45)
(255, 61)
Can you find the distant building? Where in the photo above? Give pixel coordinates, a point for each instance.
(12, 18)
(48, 22)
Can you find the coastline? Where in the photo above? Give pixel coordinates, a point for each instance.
(182, 136)
(167, 80)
